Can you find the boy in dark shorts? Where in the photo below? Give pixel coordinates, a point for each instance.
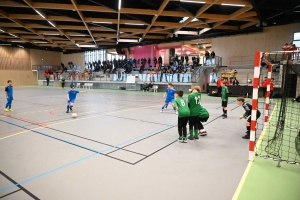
(203, 117)
(247, 115)
(224, 98)
(9, 96)
(71, 97)
(194, 105)
(183, 115)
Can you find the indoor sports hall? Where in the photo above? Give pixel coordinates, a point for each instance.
(83, 84)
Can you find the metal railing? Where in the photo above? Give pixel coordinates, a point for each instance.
(45, 67)
(212, 61)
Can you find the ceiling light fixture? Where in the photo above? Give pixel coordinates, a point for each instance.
(51, 24)
(191, 1)
(120, 2)
(40, 14)
(19, 41)
(87, 46)
(40, 42)
(20, 46)
(127, 40)
(204, 30)
(134, 24)
(77, 35)
(51, 34)
(13, 35)
(228, 4)
(2, 30)
(102, 22)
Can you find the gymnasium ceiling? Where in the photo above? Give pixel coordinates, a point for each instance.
(79, 25)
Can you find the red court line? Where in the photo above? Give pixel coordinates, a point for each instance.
(51, 112)
(24, 119)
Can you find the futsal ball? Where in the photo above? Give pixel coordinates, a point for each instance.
(74, 115)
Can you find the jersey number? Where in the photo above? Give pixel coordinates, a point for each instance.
(182, 103)
(197, 99)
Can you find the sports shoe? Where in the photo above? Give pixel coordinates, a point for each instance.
(180, 139)
(5, 109)
(246, 137)
(71, 109)
(176, 112)
(67, 111)
(224, 116)
(191, 138)
(196, 137)
(162, 111)
(202, 134)
(10, 110)
(184, 140)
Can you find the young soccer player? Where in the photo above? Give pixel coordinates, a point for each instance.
(247, 115)
(9, 96)
(72, 97)
(203, 117)
(183, 115)
(194, 105)
(169, 94)
(224, 98)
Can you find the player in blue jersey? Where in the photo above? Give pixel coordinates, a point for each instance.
(169, 94)
(72, 97)
(9, 96)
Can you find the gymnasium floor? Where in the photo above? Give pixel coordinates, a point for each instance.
(119, 147)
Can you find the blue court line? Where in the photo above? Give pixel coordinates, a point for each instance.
(81, 159)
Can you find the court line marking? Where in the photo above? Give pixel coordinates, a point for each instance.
(246, 172)
(81, 159)
(72, 120)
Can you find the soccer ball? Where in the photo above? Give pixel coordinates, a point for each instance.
(74, 115)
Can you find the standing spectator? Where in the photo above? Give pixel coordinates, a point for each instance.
(149, 62)
(154, 61)
(63, 82)
(48, 78)
(272, 88)
(134, 63)
(235, 82)
(182, 59)
(219, 85)
(160, 61)
(264, 86)
(213, 55)
(214, 74)
(186, 59)
(207, 55)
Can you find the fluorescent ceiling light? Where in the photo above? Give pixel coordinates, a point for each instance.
(51, 24)
(19, 41)
(77, 35)
(204, 30)
(102, 22)
(40, 42)
(228, 4)
(40, 14)
(51, 34)
(134, 24)
(186, 18)
(87, 45)
(191, 1)
(20, 46)
(120, 4)
(127, 40)
(13, 35)
(2, 30)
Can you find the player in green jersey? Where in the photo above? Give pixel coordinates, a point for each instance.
(194, 105)
(224, 98)
(183, 115)
(203, 117)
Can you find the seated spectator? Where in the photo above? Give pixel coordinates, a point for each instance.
(235, 82)
(227, 82)
(145, 86)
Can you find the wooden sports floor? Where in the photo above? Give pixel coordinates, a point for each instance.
(119, 147)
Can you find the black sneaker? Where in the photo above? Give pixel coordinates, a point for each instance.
(191, 138)
(196, 137)
(246, 137)
(71, 109)
(224, 116)
(67, 111)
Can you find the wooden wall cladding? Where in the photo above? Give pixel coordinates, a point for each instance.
(12, 58)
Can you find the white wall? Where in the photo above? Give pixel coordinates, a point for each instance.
(76, 58)
(271, 39)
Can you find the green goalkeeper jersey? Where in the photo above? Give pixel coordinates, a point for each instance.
(194, 103)
(225, 93)
(203, 112)
(183, 109)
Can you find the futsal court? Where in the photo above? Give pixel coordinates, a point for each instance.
(119, 147)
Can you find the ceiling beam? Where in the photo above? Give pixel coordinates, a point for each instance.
(161, 8)
(248, 25)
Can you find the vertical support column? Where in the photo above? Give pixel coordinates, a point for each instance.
(257, 61)
(267, 100)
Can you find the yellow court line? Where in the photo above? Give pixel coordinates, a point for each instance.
(72, 120)
(241, 183)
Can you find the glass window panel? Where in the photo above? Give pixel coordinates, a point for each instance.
(297, 36)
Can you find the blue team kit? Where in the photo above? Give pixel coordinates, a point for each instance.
(72, 95)
(170, 95)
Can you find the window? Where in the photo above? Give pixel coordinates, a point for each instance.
(92, 56)
(297, 39)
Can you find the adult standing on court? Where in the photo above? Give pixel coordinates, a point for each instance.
(47, 78)
(219, 85)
